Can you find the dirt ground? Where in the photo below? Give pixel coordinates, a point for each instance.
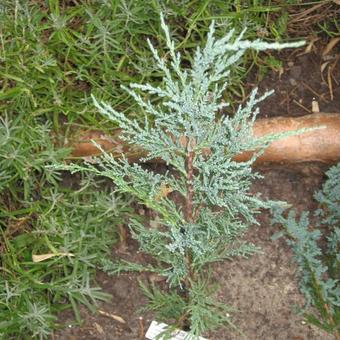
(263, 289)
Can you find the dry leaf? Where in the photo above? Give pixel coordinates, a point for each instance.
(322, 68)
(118, 318)
(43, 257)
(112, 316)
(330, 45)
(164, 191)
(281, 72)
(90, 159)
(99, 328)
(206, 152)
(155, 224)
(183, 141)
(309, 47)
(155, 278)
(329, 81)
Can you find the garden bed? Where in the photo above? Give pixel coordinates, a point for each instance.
(56, 228)
(263, 289)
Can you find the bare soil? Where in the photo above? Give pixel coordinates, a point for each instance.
(264, 288)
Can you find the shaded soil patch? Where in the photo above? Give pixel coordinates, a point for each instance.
(304, 77)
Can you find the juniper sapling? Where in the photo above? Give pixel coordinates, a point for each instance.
(187, 129)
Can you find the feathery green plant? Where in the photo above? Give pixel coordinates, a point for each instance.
(203, 202)
(55, 53)
(25, 149)
(68, 230)
(73, 230)
(319, 268)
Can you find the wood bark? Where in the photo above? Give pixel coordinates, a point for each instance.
(319, 145)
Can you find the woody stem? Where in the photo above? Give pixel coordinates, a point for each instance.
(189, 210)
(190, 190)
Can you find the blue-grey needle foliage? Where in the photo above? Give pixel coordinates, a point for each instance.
(210, 206)
(319, 267)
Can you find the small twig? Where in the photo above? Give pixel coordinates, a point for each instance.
(329, 81)
(313, 91)
(190, 175)
(141, 327)
(299, 16)
(287, 96)
(302, 106)
(197, 211)
(333, 67)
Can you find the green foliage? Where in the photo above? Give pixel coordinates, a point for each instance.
(319, 267)
(168, 305)
(55, 53)
(329, 198)
(25, 149)
(214, 207)
(75, 229)
(329, 26)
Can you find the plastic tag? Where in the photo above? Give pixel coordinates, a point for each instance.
(157, 328)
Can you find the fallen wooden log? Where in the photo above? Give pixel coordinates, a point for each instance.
(319, 145)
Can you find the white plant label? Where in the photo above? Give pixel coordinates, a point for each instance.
(157, 328)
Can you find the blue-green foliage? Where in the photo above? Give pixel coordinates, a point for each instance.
(329, 197)
(187, 125)
(319, 268)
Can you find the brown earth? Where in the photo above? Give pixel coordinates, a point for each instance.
(263, 288)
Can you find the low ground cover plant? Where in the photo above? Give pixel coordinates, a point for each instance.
(55, 53)
(51, 237)
(203, 202)
(317, 254)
